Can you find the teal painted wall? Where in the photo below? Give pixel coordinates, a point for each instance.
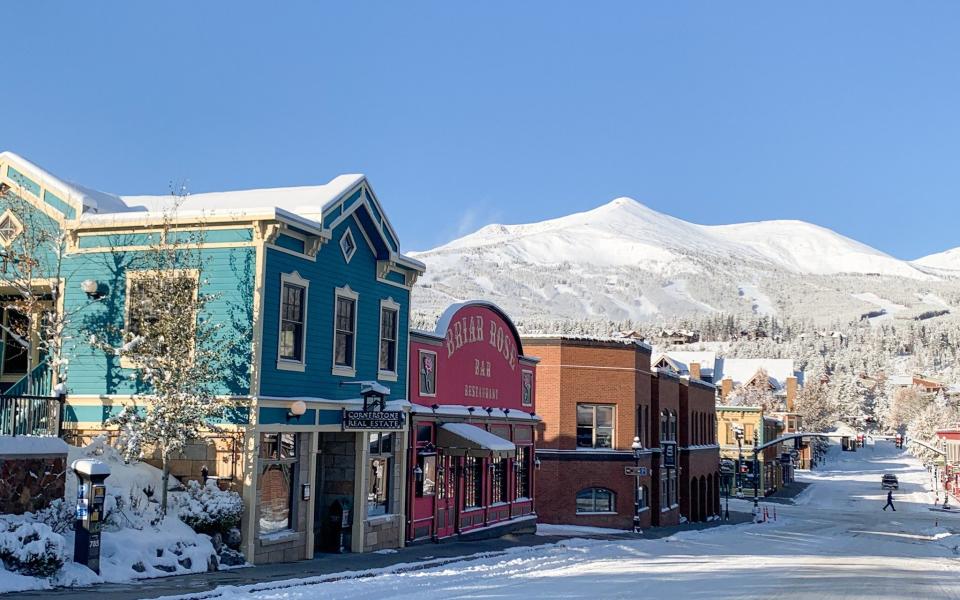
(228, 274)
(329, 272)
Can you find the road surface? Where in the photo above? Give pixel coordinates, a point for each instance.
(836, 542)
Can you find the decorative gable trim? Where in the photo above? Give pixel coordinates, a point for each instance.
(348, 245)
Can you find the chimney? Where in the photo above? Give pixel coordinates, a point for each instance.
(726, 386)
(791, 392)
(694, 370)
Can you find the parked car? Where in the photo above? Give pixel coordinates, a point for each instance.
(889, 482)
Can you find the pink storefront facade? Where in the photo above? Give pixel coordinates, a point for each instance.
(472, 431)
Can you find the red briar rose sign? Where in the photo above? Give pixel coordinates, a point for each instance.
(478, 362)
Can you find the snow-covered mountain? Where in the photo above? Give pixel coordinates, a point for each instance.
(948, 260)
(624, 260)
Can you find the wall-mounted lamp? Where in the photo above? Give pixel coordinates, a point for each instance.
(305, 492)
(418, 473)
(536, 464)
(470, 409)
(297, 410)
(91, 288)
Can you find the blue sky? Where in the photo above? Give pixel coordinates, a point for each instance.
(845, 114)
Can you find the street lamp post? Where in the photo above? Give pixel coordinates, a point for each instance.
(756, 473)
(738, 431)
(728, 483)
(637, 452)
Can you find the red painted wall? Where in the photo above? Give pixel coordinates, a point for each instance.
(478, 363)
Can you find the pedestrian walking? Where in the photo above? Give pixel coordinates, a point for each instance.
(889, 501)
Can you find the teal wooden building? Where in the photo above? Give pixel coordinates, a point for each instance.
(313, 282)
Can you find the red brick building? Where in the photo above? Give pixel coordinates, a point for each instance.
(595, 397)
(699, 452)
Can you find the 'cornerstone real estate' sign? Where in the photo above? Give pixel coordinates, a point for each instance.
(359, 420)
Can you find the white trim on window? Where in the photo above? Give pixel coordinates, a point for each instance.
(286, 364)
(389, 304)
(348, 245)
(342, 370)
(16, 228)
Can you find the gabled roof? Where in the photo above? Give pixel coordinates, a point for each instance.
(680, 361)
(744, 370)
(307, 207)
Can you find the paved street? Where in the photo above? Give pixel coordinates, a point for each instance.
(836, 542)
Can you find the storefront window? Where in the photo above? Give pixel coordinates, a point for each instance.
(278, 460)
(499, 473)
(378, 487)
(472, 482)
(521, 471)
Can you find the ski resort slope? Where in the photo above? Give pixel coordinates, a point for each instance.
(836, 543)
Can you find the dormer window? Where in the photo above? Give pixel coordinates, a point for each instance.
(10, 228)
(348, 245)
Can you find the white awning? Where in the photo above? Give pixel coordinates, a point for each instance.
(463, 439)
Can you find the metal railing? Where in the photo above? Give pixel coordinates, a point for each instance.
(31, 415)
(39, 383)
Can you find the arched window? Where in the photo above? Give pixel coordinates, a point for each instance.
(596, 500)
(664, 425)
(644, 497)
(673, 426)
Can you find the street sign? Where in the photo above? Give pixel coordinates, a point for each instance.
(669, 450)
(727, 466)
(794, 454)
(636, 471)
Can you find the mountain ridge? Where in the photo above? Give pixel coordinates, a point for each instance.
(624, 260)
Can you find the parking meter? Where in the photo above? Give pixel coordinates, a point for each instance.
(91, 494)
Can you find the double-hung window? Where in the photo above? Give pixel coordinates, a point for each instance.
(594, 426)
(596, 500)
(293, 322)
(345, 332)
(389, 328)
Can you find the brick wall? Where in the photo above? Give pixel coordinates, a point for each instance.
(575, 371)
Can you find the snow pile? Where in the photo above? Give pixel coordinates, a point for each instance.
(547, 529)
(137, 541)
(208, 509)
(30, 548)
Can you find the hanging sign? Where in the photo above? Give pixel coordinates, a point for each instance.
(362, 420)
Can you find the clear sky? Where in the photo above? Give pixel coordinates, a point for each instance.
(845, 114)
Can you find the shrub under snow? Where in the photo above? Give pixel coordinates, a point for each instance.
(31, 548)
(208, 509)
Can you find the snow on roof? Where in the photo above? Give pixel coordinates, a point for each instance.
(29, 444)
(481, 437)
(459, 410)
(588, 338)
(682, 359)
(742, 370)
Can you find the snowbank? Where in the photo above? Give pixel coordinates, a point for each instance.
(136, 542)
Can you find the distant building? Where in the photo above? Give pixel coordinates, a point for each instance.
(751, 419)
(779, 376)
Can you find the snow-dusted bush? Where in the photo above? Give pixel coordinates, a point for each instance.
(208, 509)
(59, 515)
(31, 548)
